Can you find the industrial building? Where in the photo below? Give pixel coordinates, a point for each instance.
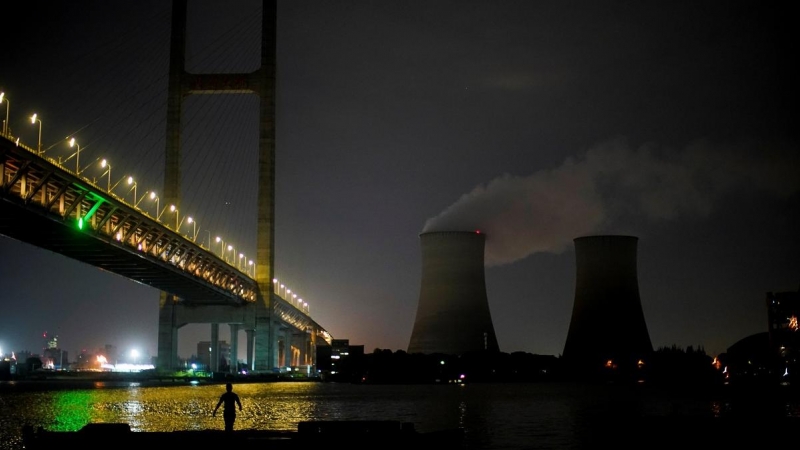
(453, 315)
(607, 331)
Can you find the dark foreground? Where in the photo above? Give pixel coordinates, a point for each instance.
(312, 434)
(616, 431)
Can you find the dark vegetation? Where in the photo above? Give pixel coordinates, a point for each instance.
(671, 365)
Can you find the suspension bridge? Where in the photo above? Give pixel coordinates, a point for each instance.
(57, 197)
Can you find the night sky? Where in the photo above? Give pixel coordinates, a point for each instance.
(534, 121)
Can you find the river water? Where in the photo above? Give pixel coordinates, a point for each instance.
(493, 416)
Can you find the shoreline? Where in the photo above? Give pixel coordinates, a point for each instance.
(52, 379)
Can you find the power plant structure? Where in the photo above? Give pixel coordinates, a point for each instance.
(607, 331)
(453, 314)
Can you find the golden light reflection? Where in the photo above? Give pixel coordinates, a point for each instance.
(266, 406)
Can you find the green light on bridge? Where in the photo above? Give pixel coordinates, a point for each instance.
(82, 220)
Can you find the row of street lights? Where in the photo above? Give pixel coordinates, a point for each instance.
(243, 263)
(34, 118)
(285, 293)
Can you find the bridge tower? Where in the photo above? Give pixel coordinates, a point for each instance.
(258, 321)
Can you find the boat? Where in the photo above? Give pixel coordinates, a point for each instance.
(354, 434)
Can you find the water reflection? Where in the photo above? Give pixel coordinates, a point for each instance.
(72, 410)
(494, 416)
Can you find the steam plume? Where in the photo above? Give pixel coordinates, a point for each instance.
(545, 211)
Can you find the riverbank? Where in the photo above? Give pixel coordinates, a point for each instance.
(150, 378)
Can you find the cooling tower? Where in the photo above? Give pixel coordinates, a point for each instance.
(453, 311)
(607, 318)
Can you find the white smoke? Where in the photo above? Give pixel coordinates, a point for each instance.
(545, 211)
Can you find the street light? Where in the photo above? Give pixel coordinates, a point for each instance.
(221, 247)
(103, 164)
(172, 208)
(74, 143)
(8, 107)
(34, 119)
(131, 181)
(153, 196)
(209, 239)
(194, 228)
(233, 253)
(240, 266)
(250, 269)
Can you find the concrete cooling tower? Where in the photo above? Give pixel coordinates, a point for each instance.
(453, 311)
(607, 319)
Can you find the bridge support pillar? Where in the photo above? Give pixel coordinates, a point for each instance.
(280, 341)
(312, 347)
(234, 348)
(265, 333)
(167, 359)
(250, 341)
(214, 357)
(308, 349)
(298, 348)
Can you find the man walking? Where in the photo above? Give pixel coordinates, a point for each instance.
(231, 400)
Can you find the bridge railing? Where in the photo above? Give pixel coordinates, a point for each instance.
(44, 185)
(136, 236)
(59, 162)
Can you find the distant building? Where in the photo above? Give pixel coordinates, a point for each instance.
(27, 362)
(770, 356)
(8, 366)
(53, 357)
(85, 360)
(204, 355)
(783, 311)
(111, 353)
(340, 360)
(22, 355)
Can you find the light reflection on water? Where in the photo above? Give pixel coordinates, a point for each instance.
(493, 416)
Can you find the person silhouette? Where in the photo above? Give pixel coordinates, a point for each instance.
(230, 399)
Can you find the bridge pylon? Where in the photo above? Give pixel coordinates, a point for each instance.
(259, 324)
